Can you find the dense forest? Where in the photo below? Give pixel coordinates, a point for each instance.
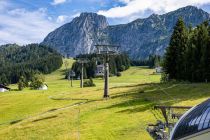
(26, 61)
(117, 64)
(153, 61)
(188, 55)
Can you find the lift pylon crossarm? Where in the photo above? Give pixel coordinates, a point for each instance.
(107, 49)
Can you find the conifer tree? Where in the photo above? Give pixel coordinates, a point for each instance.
(205, 54)
(174, 57)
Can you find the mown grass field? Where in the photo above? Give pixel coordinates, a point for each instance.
(63, 112)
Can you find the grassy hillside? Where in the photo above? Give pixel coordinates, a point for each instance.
(63, 112)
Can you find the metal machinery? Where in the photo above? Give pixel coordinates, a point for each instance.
(161, 130)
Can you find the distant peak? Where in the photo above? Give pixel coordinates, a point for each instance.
(153, 16)
(86, 14)
(189, 8)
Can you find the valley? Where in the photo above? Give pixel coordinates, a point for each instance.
(64, 112)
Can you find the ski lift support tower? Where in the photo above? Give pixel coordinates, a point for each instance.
(71, 76)
(105, 51)
(82, 61)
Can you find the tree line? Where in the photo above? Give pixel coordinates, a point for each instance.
(152, 61)
(25, 61)
(188, 55)
(117, 63)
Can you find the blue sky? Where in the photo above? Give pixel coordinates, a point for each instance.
(29, 21)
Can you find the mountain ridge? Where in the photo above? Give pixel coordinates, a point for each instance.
(139, 38)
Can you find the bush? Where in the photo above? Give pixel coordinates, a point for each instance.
(119, 74)
(37, 81)
(122, 68)
(22, 83)
(89, 83)
(164, 77)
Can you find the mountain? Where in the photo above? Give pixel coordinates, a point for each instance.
(78, 36)
(140, 38)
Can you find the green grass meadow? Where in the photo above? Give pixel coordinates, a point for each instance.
(71, 113)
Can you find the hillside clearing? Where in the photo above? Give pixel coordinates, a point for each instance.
(63, 112)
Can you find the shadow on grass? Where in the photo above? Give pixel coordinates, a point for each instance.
(16, 121)
(45, 118)
(130, 86)
(14, 90)
(144, 97)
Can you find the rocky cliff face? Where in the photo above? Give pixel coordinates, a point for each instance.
(78, 36)
(140, 38)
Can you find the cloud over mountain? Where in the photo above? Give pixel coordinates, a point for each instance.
(139, 7)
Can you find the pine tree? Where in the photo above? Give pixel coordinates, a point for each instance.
(4, 80)
(205, 54)
(199, 53)
(174, 57)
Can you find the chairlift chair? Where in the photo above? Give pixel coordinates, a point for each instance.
(99, 70)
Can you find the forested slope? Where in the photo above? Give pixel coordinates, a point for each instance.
(16, 61)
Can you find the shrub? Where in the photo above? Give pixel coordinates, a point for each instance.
(37, 81)
(22, 83)
(119, 74)
(164, 77)
(89, 83)
(122, 68)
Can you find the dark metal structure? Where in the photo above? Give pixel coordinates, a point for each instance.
(165, 109)
(105, 51)
(161, 130)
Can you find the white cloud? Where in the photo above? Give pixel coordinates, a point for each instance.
(56, 2)
(133, 7)
(75, 15)
(22, 27)
(61, 19)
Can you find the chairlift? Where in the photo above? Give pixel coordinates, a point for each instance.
(72, 73)
(99, 70)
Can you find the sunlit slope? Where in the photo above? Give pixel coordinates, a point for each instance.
(75, 113)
